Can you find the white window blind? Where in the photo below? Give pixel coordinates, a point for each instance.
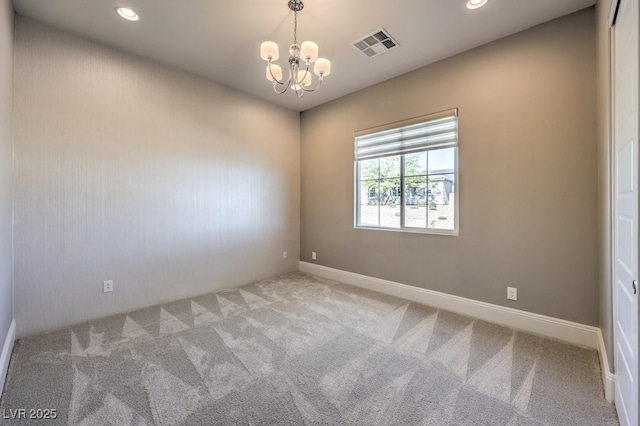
(439, 130)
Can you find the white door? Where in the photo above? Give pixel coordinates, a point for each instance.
(625, 182)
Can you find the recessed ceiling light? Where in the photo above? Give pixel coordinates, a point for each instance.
(474, 4)
(127, 13)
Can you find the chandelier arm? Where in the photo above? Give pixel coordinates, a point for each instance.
(306, 72)
(280, 92)
(285, 84)
(275, 80)
(315, 88)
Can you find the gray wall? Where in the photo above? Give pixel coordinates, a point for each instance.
(528, 174)
(604, 175)
(166, 183)
(6, 166)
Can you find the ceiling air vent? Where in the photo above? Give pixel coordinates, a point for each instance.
(375, 43)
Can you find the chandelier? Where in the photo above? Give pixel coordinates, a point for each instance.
(301, 57)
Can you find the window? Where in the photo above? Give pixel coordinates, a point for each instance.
(406, 175)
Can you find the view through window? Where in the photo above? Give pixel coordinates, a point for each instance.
(406, 175)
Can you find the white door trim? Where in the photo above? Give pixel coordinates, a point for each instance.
(625, 79)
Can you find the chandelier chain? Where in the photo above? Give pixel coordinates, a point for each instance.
(295, 27)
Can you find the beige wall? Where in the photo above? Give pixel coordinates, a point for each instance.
(604, 174)
(166, 183)
(6, 165)
(528, 174)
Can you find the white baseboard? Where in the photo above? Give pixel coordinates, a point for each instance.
(608, 378)
(6, 353)
(567, 331)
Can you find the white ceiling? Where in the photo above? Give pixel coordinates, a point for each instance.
(220, 39)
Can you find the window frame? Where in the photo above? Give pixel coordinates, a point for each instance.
(403, 228)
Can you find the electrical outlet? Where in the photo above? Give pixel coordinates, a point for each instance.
(107, 286)
(313, 255)
(512, 293)
(284, 255)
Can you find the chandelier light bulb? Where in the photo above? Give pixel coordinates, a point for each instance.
(274, 70)
(322, 67)
(309, 51)
(304, 78)
(269, 51)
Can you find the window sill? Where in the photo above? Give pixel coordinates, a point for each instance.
(450, 233)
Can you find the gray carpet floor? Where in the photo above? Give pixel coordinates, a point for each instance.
(297, 349)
